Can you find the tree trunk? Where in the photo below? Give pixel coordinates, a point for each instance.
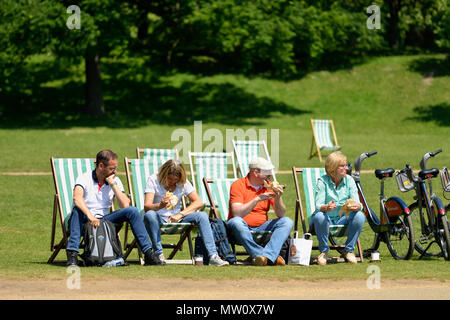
(94, 94)
(392, 28)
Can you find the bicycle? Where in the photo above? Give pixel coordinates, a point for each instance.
(394, 227)
(445, 180)
(431, 226)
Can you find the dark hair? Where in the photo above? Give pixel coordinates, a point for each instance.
(104, 156)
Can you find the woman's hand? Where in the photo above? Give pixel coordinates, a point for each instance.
(164, 202)
(330, 206)
(175, 218)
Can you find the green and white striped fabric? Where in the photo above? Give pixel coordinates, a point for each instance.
(212, 165)
(309, 177)
(246, 150)
(220, 192)
(159, 156)
(323, 135)
(141, 170)
(66, 171)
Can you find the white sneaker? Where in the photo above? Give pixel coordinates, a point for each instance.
(215, 260)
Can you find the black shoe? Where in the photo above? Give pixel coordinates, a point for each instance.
(152, 260)
(72, 258)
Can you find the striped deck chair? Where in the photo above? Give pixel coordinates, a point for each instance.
(137, 172)
(309, 178)
(246, 150)
(158, 156)
(213, 165)
(65, 171)
(218, 192)
(324, 138)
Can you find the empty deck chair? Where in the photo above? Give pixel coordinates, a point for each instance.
(246, 150)
(324, 138)
(213, 165)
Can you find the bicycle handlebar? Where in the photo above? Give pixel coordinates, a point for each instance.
(426, 156)
(360, 159)
(409, 172)
(358, 162)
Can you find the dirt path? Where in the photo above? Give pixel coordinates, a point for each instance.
(181, 289)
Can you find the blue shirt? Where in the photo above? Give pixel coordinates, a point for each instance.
(326, 191)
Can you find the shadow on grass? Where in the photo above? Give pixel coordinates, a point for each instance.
(431, 67)
(44, 96)
(440, 114)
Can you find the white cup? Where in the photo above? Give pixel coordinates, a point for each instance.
(198, 260)
(375, 256)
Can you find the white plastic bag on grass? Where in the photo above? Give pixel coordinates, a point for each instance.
(300, 249)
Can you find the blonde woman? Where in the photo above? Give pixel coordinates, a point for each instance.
(332, 192)
(159, 209)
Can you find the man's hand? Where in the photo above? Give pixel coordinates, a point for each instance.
(94, 221)
(110, 179)
(266, 196)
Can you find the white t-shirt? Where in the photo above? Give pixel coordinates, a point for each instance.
(99, 201)
(155, 187)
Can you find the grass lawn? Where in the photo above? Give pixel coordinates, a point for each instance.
(388, 104)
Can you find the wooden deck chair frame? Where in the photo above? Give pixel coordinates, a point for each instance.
(316, 147)
(217, 172)
(335, 230)
(243, 161)
(63, 198)
(219, 202)
(184, 229)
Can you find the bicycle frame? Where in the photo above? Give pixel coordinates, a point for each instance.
(425, 198)
(389, 208)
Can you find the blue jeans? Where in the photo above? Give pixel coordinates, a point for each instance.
(200, 218)
(130, 214)
(281, 228)
(354, 221)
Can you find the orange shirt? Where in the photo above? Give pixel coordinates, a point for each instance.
(242, 191)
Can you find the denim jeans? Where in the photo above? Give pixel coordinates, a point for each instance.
(281, 228)
(354, 221)
(153, 222)
(130, 214)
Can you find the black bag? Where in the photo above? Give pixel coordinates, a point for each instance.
(101, 244)
(284, 252)
(219, 230)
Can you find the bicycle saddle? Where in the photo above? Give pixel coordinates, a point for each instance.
(386, 173)
(424, 173)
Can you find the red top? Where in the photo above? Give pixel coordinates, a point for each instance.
(242, 191)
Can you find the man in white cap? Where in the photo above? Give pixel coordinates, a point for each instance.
(250, 202)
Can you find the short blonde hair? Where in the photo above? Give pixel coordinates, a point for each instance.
(171, 168)
(333, 161)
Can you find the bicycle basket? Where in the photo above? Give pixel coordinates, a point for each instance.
(445, 179)
(403, 182)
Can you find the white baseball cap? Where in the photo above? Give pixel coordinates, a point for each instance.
(262, 164)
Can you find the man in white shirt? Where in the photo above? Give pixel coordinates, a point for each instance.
(93, 196)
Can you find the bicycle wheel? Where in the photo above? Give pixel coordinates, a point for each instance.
(424, 234)
(400, 238)
(445, 236)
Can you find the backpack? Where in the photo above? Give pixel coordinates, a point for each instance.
(219, 230)
(101, 244)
